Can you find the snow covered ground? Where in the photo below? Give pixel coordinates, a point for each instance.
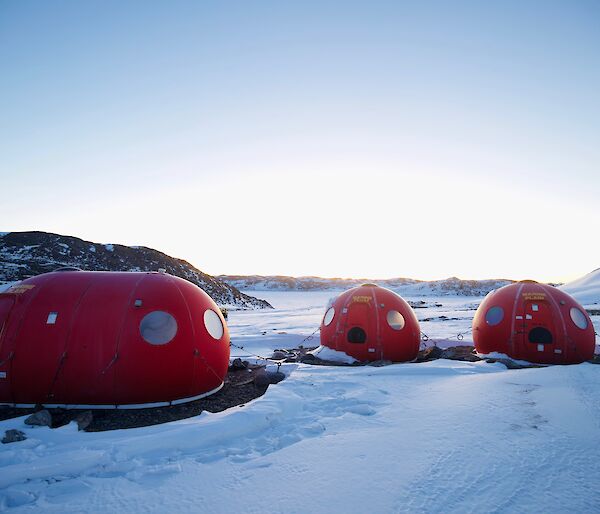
(586, 289)
(443, 436)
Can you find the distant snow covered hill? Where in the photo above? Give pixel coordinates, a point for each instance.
(405, 286)
(586, 290)
(26, 254)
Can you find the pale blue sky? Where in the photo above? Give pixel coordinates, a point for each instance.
(379, 139)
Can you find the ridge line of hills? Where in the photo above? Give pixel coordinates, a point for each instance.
(26, 254)
(407, 286)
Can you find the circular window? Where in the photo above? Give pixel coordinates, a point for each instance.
(329, 316)
(395, 320)
(579, 318)
(213, 324)
(158, 327)
(494, 315)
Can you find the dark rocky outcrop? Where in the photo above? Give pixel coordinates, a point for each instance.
(266, 378)
(452, 286)
(84, 419)
(26, 254)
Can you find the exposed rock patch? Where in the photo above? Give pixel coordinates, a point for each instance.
(41, 418)
(240, 387)
(13, 436)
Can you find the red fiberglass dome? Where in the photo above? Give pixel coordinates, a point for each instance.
(102, 339)
(371, 323)
(534, 322)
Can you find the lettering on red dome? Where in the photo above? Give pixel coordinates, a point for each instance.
(361, 299)
(534, 296)
(19, 289)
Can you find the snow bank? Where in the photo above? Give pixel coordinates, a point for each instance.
(498, 355)
(586, 290)
(326, 353)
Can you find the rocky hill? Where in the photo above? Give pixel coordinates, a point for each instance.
(25, 254)
(404, 286)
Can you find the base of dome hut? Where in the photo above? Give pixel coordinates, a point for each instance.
(240, 387)
(463, 353)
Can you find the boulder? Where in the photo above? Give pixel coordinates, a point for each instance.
(266, 378)
(460, 353)
(275, 376)
(84, 420)
(238, 364)
(428, 354)
(309, 358)
(13, 436)
(41, 418)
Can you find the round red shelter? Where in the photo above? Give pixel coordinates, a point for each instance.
(371, 323)
(534, 322)
(104, 339)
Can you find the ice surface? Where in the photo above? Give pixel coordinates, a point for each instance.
(441, 436)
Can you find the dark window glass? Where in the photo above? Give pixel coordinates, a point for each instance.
(494, 316)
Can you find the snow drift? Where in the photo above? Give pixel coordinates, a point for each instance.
(586, 290)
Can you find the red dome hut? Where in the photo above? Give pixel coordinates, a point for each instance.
(534, 322)
(371, 323)
(103, 339)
